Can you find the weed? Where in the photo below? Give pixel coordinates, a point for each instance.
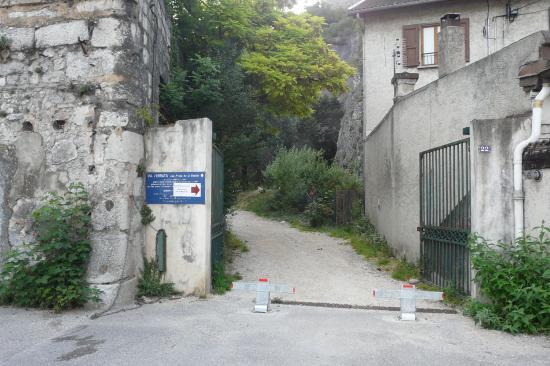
(221, 281)
(150, 284)
(39, 70)
(145, 114)
(140, 169)
(5, 43)
(52, 273)
(147, 216)
(232, 245)
(404, 271)
(514, 277)
(3, 114)
(86, 89)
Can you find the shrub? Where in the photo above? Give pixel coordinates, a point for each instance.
(150, 284)
(302, 177)
(514, 277)
(51, 273)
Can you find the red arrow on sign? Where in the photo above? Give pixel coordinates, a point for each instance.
(195, 189)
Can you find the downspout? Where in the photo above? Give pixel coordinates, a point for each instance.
(519, 195)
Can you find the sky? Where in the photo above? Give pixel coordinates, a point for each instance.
(301, 5)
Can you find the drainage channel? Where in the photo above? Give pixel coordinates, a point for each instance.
(359, 307)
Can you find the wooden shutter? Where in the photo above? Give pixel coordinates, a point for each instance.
(466, 24)
(411, 56)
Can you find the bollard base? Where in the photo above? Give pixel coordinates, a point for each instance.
(407, 316)
(261, 308)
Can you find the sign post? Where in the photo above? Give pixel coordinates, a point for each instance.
(407, 296)
(175, 188)
(263, 292)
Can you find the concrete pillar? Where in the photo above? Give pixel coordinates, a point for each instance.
(185, 146)
(403, 84)
(452, 52)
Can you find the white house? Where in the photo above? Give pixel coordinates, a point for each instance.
(402, 36)
(454, 142)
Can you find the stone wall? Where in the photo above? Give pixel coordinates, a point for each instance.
(71, 84)
(435, 115)
(349, 152)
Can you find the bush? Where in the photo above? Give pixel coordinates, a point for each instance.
(301, 177)
(150, 284)
(514, 277)
(51, 273)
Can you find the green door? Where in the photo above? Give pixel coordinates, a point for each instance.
(218, 217)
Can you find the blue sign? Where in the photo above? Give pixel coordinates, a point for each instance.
(185, 188)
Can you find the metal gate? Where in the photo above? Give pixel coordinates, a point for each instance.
(218, 216)
(445, 215)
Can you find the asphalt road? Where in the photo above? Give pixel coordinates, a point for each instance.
(223, 331)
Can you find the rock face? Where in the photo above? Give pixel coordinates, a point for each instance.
(350, 139)
(71, 82)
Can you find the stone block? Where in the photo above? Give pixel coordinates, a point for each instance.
(99, 5)
(61, 34)
(124, 147)
(98, 64)
(108, 258)
(39, 13)
(63, 151)
(82, 115)
(21, 38)
(109, 32)
(113, 119)
(111, 213)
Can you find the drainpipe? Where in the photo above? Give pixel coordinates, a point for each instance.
(519, 196)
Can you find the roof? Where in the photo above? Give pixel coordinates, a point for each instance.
(367, 6)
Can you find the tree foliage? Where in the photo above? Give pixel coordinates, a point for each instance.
(293, 64)
(255, 71)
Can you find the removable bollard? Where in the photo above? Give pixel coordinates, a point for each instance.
(407, 296)
(263, 292)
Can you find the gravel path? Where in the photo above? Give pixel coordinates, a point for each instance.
(322, 268)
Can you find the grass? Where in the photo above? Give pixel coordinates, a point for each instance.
(361, 235)
(221, 279)
(151, 282)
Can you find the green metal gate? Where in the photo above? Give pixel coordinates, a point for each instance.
(445, 215)
(218, 216)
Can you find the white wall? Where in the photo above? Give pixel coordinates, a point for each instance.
(185, 146)
(430, 117)
(382, 29)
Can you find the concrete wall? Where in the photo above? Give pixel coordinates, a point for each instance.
(432, 116)
(70, 85)
(183, 147)
(383, 31)
(492, 179)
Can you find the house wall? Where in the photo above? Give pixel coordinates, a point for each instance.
(70, 85)
(492, 179)
(383, 32)
(183, 147)
(432, 116)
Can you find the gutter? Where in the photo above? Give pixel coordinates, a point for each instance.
(519, 195)
(352, 11)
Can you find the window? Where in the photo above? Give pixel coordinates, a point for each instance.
(421, 44)
(429, 45)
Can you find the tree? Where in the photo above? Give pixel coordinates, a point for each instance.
(291, 64)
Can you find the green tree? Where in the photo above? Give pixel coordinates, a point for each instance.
(291, 63)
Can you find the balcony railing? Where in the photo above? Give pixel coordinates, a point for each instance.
(429, 58)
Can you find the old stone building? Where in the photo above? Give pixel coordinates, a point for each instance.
(75, 77)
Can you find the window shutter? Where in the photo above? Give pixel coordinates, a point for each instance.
(411, 34)
(466, 24)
